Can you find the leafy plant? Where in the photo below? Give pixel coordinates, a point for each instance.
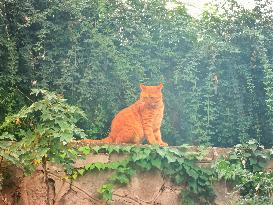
(44, 129)
(216, 70)
(245, 168)
(258, 184)
(43, 132)
(251, 155)
(256, 200)
(177, 163)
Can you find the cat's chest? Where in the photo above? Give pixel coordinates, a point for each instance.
(152, 112)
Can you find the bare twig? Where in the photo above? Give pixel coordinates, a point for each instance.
(46, 179)
(78, 188)
(1, 160)
(24, 94)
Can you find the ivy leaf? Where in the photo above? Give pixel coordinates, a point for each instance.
(193, 186)
(146, 152)
(140, 155)
(106, 147)
(96, 148)
(63, 155)
(175, 151)
(144, 164)
(131, 172)
(120, 178)
(170, 158)
(74, 176)
(7, 136)
(100, 166)
(192, 173)
(261, 163)
(90, 166)
(106, 191)
(110, 149)
(252, 161)
(127, 148)
(73, 152)
(113, 165)
(179, 178)
(85, 150)
(156, 162)
(233, 156)
(81, 171)
(116, 148)
(161, 152)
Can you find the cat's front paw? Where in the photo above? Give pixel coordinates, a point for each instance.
(163, 144)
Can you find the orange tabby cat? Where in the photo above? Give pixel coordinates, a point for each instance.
(138, 121)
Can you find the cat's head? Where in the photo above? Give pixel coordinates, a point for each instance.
(151, 94)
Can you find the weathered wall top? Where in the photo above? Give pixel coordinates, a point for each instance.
(146, 188)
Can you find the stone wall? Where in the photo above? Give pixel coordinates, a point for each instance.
(146, 188)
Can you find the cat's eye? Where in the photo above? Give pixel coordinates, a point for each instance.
(150, 98)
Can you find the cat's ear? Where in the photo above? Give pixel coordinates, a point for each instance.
(142, 86)
(160, 86)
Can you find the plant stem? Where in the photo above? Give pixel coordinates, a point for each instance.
(44, 163)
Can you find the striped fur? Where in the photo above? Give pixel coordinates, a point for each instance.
(139, 121)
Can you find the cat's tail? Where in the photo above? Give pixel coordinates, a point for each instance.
(104, 140)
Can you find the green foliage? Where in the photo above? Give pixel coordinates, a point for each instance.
(106, 191)
(217, 70)
(255, 201)
(177, 163)
(245, 167)
(251, 155)
(42, 131)
(257, 184)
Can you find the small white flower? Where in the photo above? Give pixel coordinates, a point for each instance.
(34, 82)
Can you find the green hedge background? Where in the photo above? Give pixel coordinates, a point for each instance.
(217, 70)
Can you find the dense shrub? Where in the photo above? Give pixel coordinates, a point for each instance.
(217, 70)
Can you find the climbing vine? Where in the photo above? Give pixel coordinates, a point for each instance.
(44, 131)
(177, 163)
(216, 69)
(244, 168)
(40, 133)
(217, 72)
